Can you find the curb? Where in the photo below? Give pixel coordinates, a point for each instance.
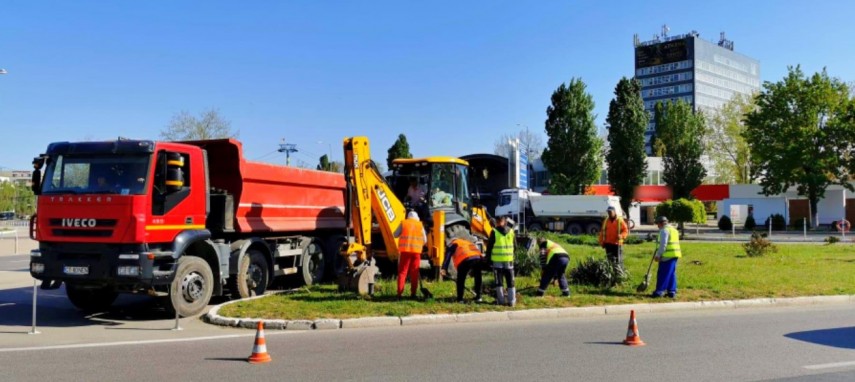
(213, 318)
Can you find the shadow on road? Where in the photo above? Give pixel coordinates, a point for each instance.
(837, 337)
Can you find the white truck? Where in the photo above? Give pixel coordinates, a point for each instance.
(573, 214)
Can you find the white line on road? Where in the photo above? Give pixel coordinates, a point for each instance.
(7, 304)
(125, 343)
(830, 365)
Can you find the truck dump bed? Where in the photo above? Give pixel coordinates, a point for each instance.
(271, 198)
(572, 205)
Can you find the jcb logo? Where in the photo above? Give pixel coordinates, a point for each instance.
(387, 205)
(90, 223)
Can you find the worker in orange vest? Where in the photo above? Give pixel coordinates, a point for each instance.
(467, 259)
(612, 234)
(410, 245)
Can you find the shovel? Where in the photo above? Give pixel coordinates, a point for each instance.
(646, 283)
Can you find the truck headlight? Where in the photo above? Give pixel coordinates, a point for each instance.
(37, 267)
(131, 270)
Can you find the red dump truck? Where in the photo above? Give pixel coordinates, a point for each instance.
(180, 220)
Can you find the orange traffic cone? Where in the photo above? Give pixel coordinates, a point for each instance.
(259, 350)
(632, 337)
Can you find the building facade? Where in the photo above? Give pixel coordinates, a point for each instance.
(685, 67)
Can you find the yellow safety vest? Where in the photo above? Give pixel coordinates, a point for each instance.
(672, 249)
(503, 248)
(552, 248)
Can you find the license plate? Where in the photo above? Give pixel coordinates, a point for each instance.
(76, 270)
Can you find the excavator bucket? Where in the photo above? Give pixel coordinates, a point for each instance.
(359, 279)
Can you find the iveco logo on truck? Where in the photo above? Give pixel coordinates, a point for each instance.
(387, 205)
(85, 223)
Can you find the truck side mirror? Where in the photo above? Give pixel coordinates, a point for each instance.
(36, 179)
(174, 179)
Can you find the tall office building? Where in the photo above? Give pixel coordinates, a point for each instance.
(685, 67)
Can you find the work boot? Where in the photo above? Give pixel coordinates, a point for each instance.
(540, 293)
(565, 293)
(478, 299)
(500, 295)
(512, 297)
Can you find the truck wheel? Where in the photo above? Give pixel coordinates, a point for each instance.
(191, 290)
(535, 227)
(332, 256)
(312, 264)
(457, 231)
(90, 300)
(253, 276)
(574, 229)
(592, 229)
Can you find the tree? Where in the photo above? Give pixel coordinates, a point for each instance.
(531, 143)
(682, 211)
(626, 159)
(802, 134)
(726, 146)
(681, 133)
(209, 125)
(326, 165)
(574, 151)
(399, 149)
(15, 196)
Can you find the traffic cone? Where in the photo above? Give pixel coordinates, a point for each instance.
(632, 337)
(259, 350)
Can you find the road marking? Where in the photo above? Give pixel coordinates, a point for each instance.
(7, 304)
(830, 365)
(125, 343)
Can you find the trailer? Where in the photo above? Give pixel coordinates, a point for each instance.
(184, 221)
(573, 214)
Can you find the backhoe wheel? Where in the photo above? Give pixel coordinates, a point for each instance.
(90, 300)
(191, 290)
(312, 264)
(253, 276)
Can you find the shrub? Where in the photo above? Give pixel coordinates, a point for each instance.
(526, 262)
(750, 224)
(725, 224)
(599, 273)
(778, 222)
(799, 223)
(832, 239)
(758, 246)
(683, 211)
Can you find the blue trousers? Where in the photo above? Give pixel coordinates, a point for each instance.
(555, 270)
(666, 277)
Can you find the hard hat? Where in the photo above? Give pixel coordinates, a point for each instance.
(661, 219)
(412, 215)
(611, 209)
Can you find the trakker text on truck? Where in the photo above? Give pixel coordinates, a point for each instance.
(180, 220)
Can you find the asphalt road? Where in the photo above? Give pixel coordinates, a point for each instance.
(792, 344)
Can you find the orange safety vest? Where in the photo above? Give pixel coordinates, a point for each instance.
(465, 250)
(613, 232)
(412, 238)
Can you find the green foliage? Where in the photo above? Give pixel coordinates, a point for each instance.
(598, 273)
(574, 151)
(725, 224)
(399, 149)
(730, 154)
(758, 246)
(682, 211)
(799, 223)
(802, 134)
(590, 240)
(626, 159)
(526, 262)
(750, 224)
(778, 222)
(325, 164)
(209, 125)
(17, 197)
(681, 131)
(832, 239)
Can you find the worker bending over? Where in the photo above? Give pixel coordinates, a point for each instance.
(467, 259)
(410, 245)
(500, 251)
(553, 260)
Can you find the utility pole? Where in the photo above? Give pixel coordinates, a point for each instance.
(287, 148)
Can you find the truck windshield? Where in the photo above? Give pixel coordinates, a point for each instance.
(96, 174)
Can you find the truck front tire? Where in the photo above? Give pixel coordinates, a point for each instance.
(90, 300)
(192, 287)
(312, 264)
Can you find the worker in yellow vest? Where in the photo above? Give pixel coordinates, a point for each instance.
(553, 261)
(667, 255)
(467, 259)
(500, 252)
(410, 245)
(612, 234)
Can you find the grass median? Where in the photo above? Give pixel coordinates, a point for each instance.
(707, 271)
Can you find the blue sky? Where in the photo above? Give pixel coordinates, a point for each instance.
(452, 76)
